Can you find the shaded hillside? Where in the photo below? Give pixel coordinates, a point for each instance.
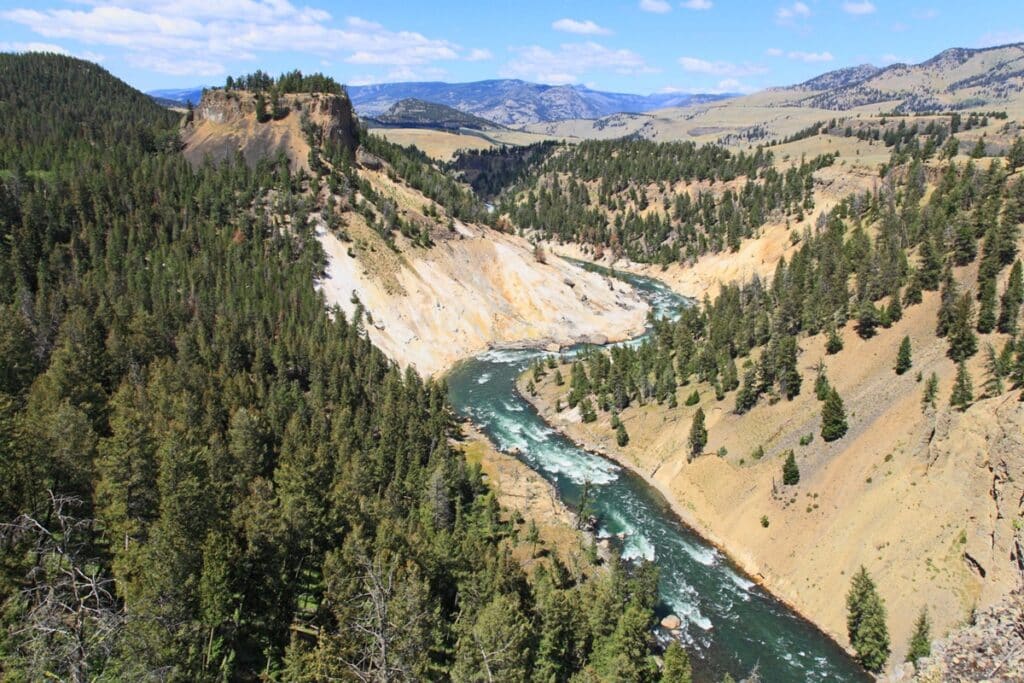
(491, 171)
(42, 131)
(413, 113)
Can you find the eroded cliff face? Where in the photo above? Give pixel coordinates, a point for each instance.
(226, 122)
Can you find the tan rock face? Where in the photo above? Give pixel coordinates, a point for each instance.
(225, 123)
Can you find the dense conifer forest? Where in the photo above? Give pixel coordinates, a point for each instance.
(204, 475)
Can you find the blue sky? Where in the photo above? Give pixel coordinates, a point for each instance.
(639, 46)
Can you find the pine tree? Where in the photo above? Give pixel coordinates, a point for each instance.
(931, 393)
(677, 667)
(987, 308)
(833, 417)
(698, 433)
(621, 437)
(1013, 297)
(963, 343)
(865, 622)
(920, 642)
(821, 384)
(868, 320)
(790, 471)
(1015, 157)
(903, 357)
(834, 344)
(963, 388)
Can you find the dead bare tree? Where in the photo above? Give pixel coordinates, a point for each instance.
(71, 617)
(391, 619)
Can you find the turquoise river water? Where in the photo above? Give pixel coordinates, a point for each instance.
(729, 623)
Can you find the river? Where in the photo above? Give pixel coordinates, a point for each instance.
(729, 623)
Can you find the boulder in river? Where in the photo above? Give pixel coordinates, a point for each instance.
(671, 622)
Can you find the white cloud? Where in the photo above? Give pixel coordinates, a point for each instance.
(859, 7)
(888, 59)
(993, 38)
(810, 57)
(585, 28)
(925, 13)
(171, 36)
(570, 61)
(176, 66)
(703, 66)
(696, 4)
(656, 6)
(730, 85)
(34, 47)
(479, 55)
(774, 52)
(790, 14)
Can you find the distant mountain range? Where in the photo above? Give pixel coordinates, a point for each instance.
(958, 78)
(508, 102)
(517, 103)
(179, 96)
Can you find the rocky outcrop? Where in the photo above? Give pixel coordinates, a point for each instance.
(225, 123)
(990, 649)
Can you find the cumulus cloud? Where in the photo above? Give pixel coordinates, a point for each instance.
(800, 55)
(570, 61)
(1006, 37)
(790, 14)
(171, 36)
(810, 57)
(479, 55)
(703, 66)
(656, 6)
(33, 46)
(859, 7)
(697, 4)
(584, 28)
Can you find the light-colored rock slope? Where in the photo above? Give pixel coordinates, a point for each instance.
(487, 289)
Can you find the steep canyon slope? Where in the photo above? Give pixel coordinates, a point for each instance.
(448, 287)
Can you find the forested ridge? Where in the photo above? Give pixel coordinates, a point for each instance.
(596, 193)
(204, 475)
(865, 260)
